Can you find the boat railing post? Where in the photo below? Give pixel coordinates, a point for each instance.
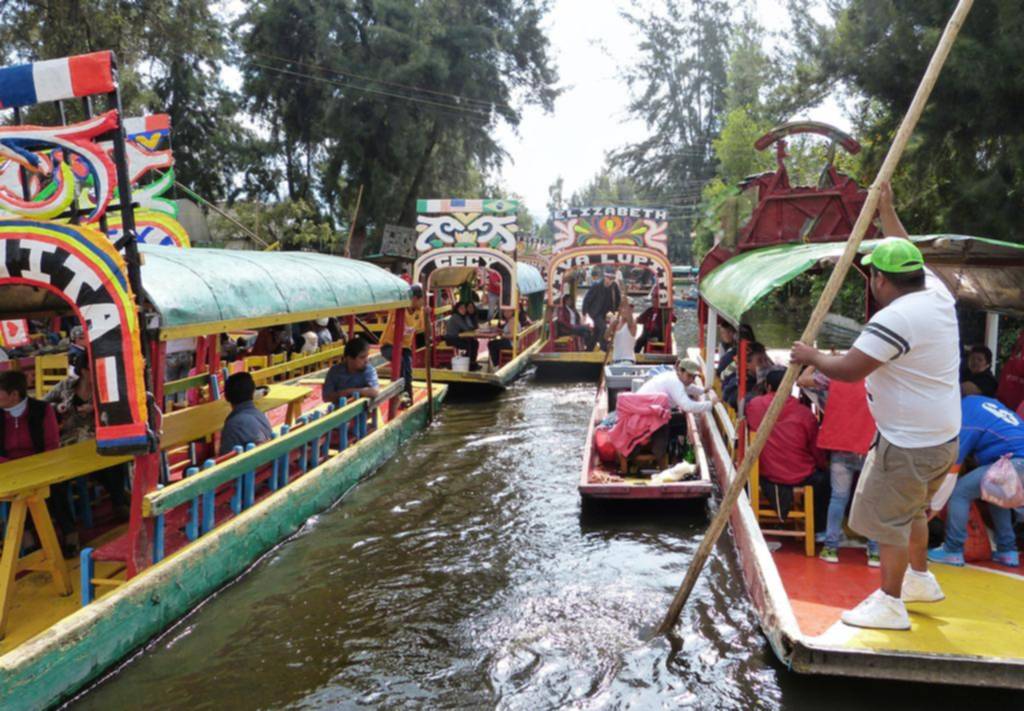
(992, 336)
(209, 503)
(192, 527)
(274, 467)
(710, 347)
(236, 499)
(158, 538)
(249, 479)
(282, 462)
(87, 571)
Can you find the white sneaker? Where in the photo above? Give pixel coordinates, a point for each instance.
(921, 587)
(878, 611)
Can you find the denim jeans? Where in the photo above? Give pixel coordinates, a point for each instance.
(387, 350)
(968, 490)
(843, 467)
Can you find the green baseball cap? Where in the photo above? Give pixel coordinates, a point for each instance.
(896, 256)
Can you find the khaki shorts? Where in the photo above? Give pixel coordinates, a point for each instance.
(895, 488)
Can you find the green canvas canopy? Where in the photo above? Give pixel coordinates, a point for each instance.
(202, 291)
(982, 273)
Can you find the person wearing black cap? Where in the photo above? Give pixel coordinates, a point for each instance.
(602, 299)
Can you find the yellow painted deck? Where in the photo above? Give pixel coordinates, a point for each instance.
(36, 606)
(982, 615)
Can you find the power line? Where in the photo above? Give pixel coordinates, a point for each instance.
(483, 103)
(446, 107)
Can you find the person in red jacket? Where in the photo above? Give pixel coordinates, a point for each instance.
(29, 426)
(568, 322)
(791, 456)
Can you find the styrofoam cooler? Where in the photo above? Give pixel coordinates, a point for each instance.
(460, 364)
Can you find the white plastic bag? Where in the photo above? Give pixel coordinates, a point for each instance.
(1001, 484)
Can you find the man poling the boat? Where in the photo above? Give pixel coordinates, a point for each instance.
(908, 353)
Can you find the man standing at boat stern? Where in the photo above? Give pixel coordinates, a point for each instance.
(909, 354)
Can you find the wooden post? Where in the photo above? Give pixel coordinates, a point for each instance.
(428, 327)
(396, 356)
(821, 309)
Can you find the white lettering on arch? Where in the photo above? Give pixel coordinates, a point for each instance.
(36, 250)
(82, 275)
(101, 318)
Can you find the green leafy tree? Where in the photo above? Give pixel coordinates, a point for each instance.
(963, 170)
(399, 98)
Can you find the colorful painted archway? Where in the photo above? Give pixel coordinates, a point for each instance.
(81, 266)
(568, 261)
(436, 260)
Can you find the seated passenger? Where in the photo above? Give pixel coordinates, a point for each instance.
(727, 361)
(791, 456)
(653, 324)
(568, 322)
(73, 400)
(623, 329)
(460, 322)
(977, 378)
(29, 426)
(472, 315)
(497, 345)
(681, 387)
(683, 394)
(246, 423)
(354, 377)
(758, 364)
(988, 430)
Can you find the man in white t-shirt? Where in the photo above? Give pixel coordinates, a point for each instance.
(909, 354)
(680, 386)
(685, 396)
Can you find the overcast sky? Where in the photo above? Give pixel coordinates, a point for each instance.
(591, 45)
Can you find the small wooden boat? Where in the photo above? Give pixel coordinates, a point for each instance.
(458, 239)
(623, 480)
(605, 236)
(196, 519)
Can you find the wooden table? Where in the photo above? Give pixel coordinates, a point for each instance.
(26, 482)
(481, 333)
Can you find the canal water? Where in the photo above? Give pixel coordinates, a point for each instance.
(464, 574)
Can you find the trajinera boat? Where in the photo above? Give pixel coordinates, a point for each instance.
(603, 237)
(680, 472)
(973, 637)
(196, 519)
(465, 246)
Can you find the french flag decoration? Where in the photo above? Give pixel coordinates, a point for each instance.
(56, 79)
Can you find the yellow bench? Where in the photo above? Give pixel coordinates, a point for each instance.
(26, 482)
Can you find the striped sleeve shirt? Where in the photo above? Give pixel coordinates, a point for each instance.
(915, 395)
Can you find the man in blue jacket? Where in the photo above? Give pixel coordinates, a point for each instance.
(989, 431)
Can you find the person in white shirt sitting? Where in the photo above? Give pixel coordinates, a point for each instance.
(685, 395)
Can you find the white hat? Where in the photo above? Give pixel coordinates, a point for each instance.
(321, 321)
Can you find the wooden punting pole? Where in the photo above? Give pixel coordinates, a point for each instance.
(867, 213)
